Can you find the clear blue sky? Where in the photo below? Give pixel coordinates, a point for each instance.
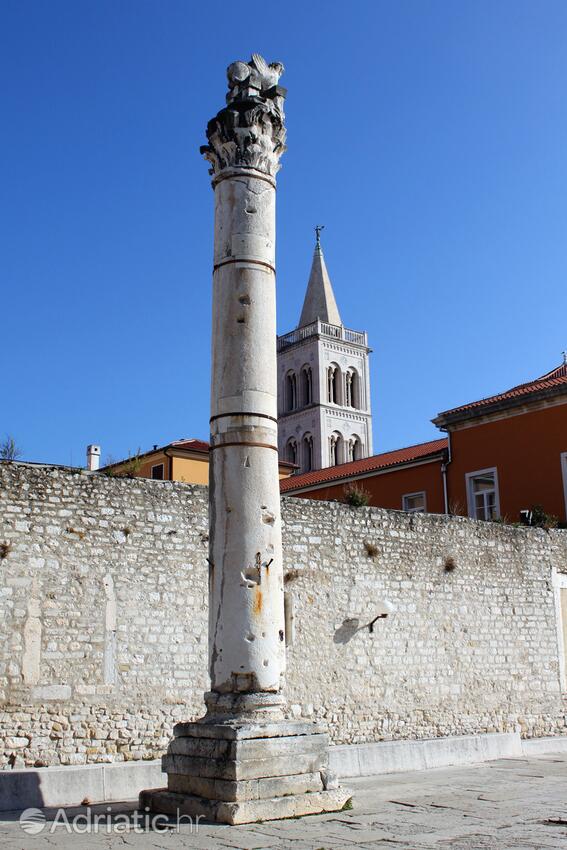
(429, 138)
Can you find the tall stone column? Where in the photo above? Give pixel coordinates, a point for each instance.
(246, 617)
(243, 761)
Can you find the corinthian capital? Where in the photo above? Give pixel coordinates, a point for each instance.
(249, 131)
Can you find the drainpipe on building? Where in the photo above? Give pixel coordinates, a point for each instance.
(169, 465)
(444, 473)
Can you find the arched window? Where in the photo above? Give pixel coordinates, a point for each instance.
(352, 389)
(291, 450)
(333, 384)
(306, 385)
(290, 391)
(354, 448)
(307, 459)
(335, 448)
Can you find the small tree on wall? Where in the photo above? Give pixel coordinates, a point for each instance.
(356, 496)
(9, 450)
(132, 466)
(539, 518)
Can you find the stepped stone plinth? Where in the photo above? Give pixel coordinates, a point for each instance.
(242, 772)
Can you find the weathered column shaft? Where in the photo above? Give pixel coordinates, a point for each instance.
(243, 761)
(246, 618)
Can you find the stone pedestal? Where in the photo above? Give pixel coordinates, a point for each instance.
(244, 772)
(243, 762)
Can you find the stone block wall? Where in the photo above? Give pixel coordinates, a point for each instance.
(103, 619)
(472, 643)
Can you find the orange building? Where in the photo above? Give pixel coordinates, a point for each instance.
(181, 460)
(508, 452)
(503, 455)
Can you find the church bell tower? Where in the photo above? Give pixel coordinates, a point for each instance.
(324, 415)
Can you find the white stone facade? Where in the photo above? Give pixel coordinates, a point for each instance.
(327, 419)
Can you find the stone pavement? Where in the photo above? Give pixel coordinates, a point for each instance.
(510, 803)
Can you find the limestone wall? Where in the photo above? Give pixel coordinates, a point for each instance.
(103, 619)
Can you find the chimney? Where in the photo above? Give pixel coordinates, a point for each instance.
(93, 458)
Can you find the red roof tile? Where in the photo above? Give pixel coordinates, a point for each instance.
(361, 467)
(556, 378)
(193, 445)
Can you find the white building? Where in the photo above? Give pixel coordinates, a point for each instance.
(324, 410)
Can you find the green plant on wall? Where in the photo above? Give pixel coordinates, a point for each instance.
(356, 496)
(9, 450)
(541, 519)
(129, 469)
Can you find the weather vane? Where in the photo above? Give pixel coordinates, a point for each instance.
(318, 229)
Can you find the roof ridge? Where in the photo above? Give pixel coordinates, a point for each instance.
(556, 376)
(558, 372)
(405, 448)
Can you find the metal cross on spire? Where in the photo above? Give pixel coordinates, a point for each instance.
(318, 229)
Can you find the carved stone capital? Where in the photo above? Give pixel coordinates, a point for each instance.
(249, 132)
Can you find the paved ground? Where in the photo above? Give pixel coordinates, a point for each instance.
(511, 803)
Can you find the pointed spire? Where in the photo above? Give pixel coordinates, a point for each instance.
(319, 299)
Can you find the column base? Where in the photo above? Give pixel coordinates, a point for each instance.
(247, 811)
(242, 772)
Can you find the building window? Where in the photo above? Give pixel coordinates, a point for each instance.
(335, 449)
(330, 384)
(354, 448)
(291, 391)
(157, 472)
(333, 384)
(482, 494)
(414, 503)
(348, 390)
(352, 389)
(307, 459)
(307, 385)
(291, 450)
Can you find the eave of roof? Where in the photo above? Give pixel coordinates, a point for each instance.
(422, 452)
(551, 384)
(192, 446)
(204, 448)
(199, 446)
